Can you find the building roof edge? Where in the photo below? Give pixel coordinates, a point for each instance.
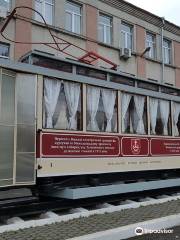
(143, 14)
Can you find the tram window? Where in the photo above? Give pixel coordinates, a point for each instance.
(51, 63)
(88, 72)
(171, 91)
(176, 119)
(160, 117)
(62, 105)
(134, 114)
(122, 80)
(148, 86)
(101, 109)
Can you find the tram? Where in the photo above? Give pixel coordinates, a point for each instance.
(85, 129)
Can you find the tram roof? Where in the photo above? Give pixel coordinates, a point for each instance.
(114, 78)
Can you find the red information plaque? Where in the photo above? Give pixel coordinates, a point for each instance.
(161, 146)
(59, 145)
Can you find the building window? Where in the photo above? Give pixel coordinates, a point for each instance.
(73, 17)
(126, 36)
(167, 51)
(105, 29)
(62, 105)
(4, 50)
(151, 42)
(46, 8)
(160, 116)
(134, 114)
(101, 109)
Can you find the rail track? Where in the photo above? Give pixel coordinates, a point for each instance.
(63, 215)
(34, 205)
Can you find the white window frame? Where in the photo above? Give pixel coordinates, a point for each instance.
(167, 51)
(44, 3)
(105, 27)
(126, 35)
(152, 45)
(73, 16)
(1, 44)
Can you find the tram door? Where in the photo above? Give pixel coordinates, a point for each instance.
(17, 128)
(7, 126)
(26, 128)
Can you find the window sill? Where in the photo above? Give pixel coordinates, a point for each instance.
(155, 60)
(160, 62)
(4, 57)
(107, 45)
(169, 65)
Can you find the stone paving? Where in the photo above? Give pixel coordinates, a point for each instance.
(96, 223)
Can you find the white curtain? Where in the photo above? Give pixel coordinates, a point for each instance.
(139, 104)
(51, 93)
(153, 107)
(176, 117)
(62, 120)
(72, 93)
(164, 110)
(108, 97)
(93, 96)
(125, 104)
(134, 119)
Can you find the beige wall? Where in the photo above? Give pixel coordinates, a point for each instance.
(177, 72)
(140, 46)
(153, 71)
(23, 29)
(91, 28)
(177, 62)
(169, 75)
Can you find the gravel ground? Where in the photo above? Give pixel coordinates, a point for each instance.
(96, 223)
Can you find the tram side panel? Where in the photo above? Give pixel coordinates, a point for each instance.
(74, 154)
(67, 152)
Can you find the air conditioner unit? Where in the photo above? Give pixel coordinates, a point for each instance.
(125, 53)
(3, 12)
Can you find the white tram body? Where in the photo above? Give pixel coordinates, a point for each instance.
(61, 118)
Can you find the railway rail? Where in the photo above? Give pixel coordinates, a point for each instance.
(33, 205)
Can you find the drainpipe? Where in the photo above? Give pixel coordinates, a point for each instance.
(162, 50)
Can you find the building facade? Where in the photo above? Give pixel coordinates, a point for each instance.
(140, 43)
